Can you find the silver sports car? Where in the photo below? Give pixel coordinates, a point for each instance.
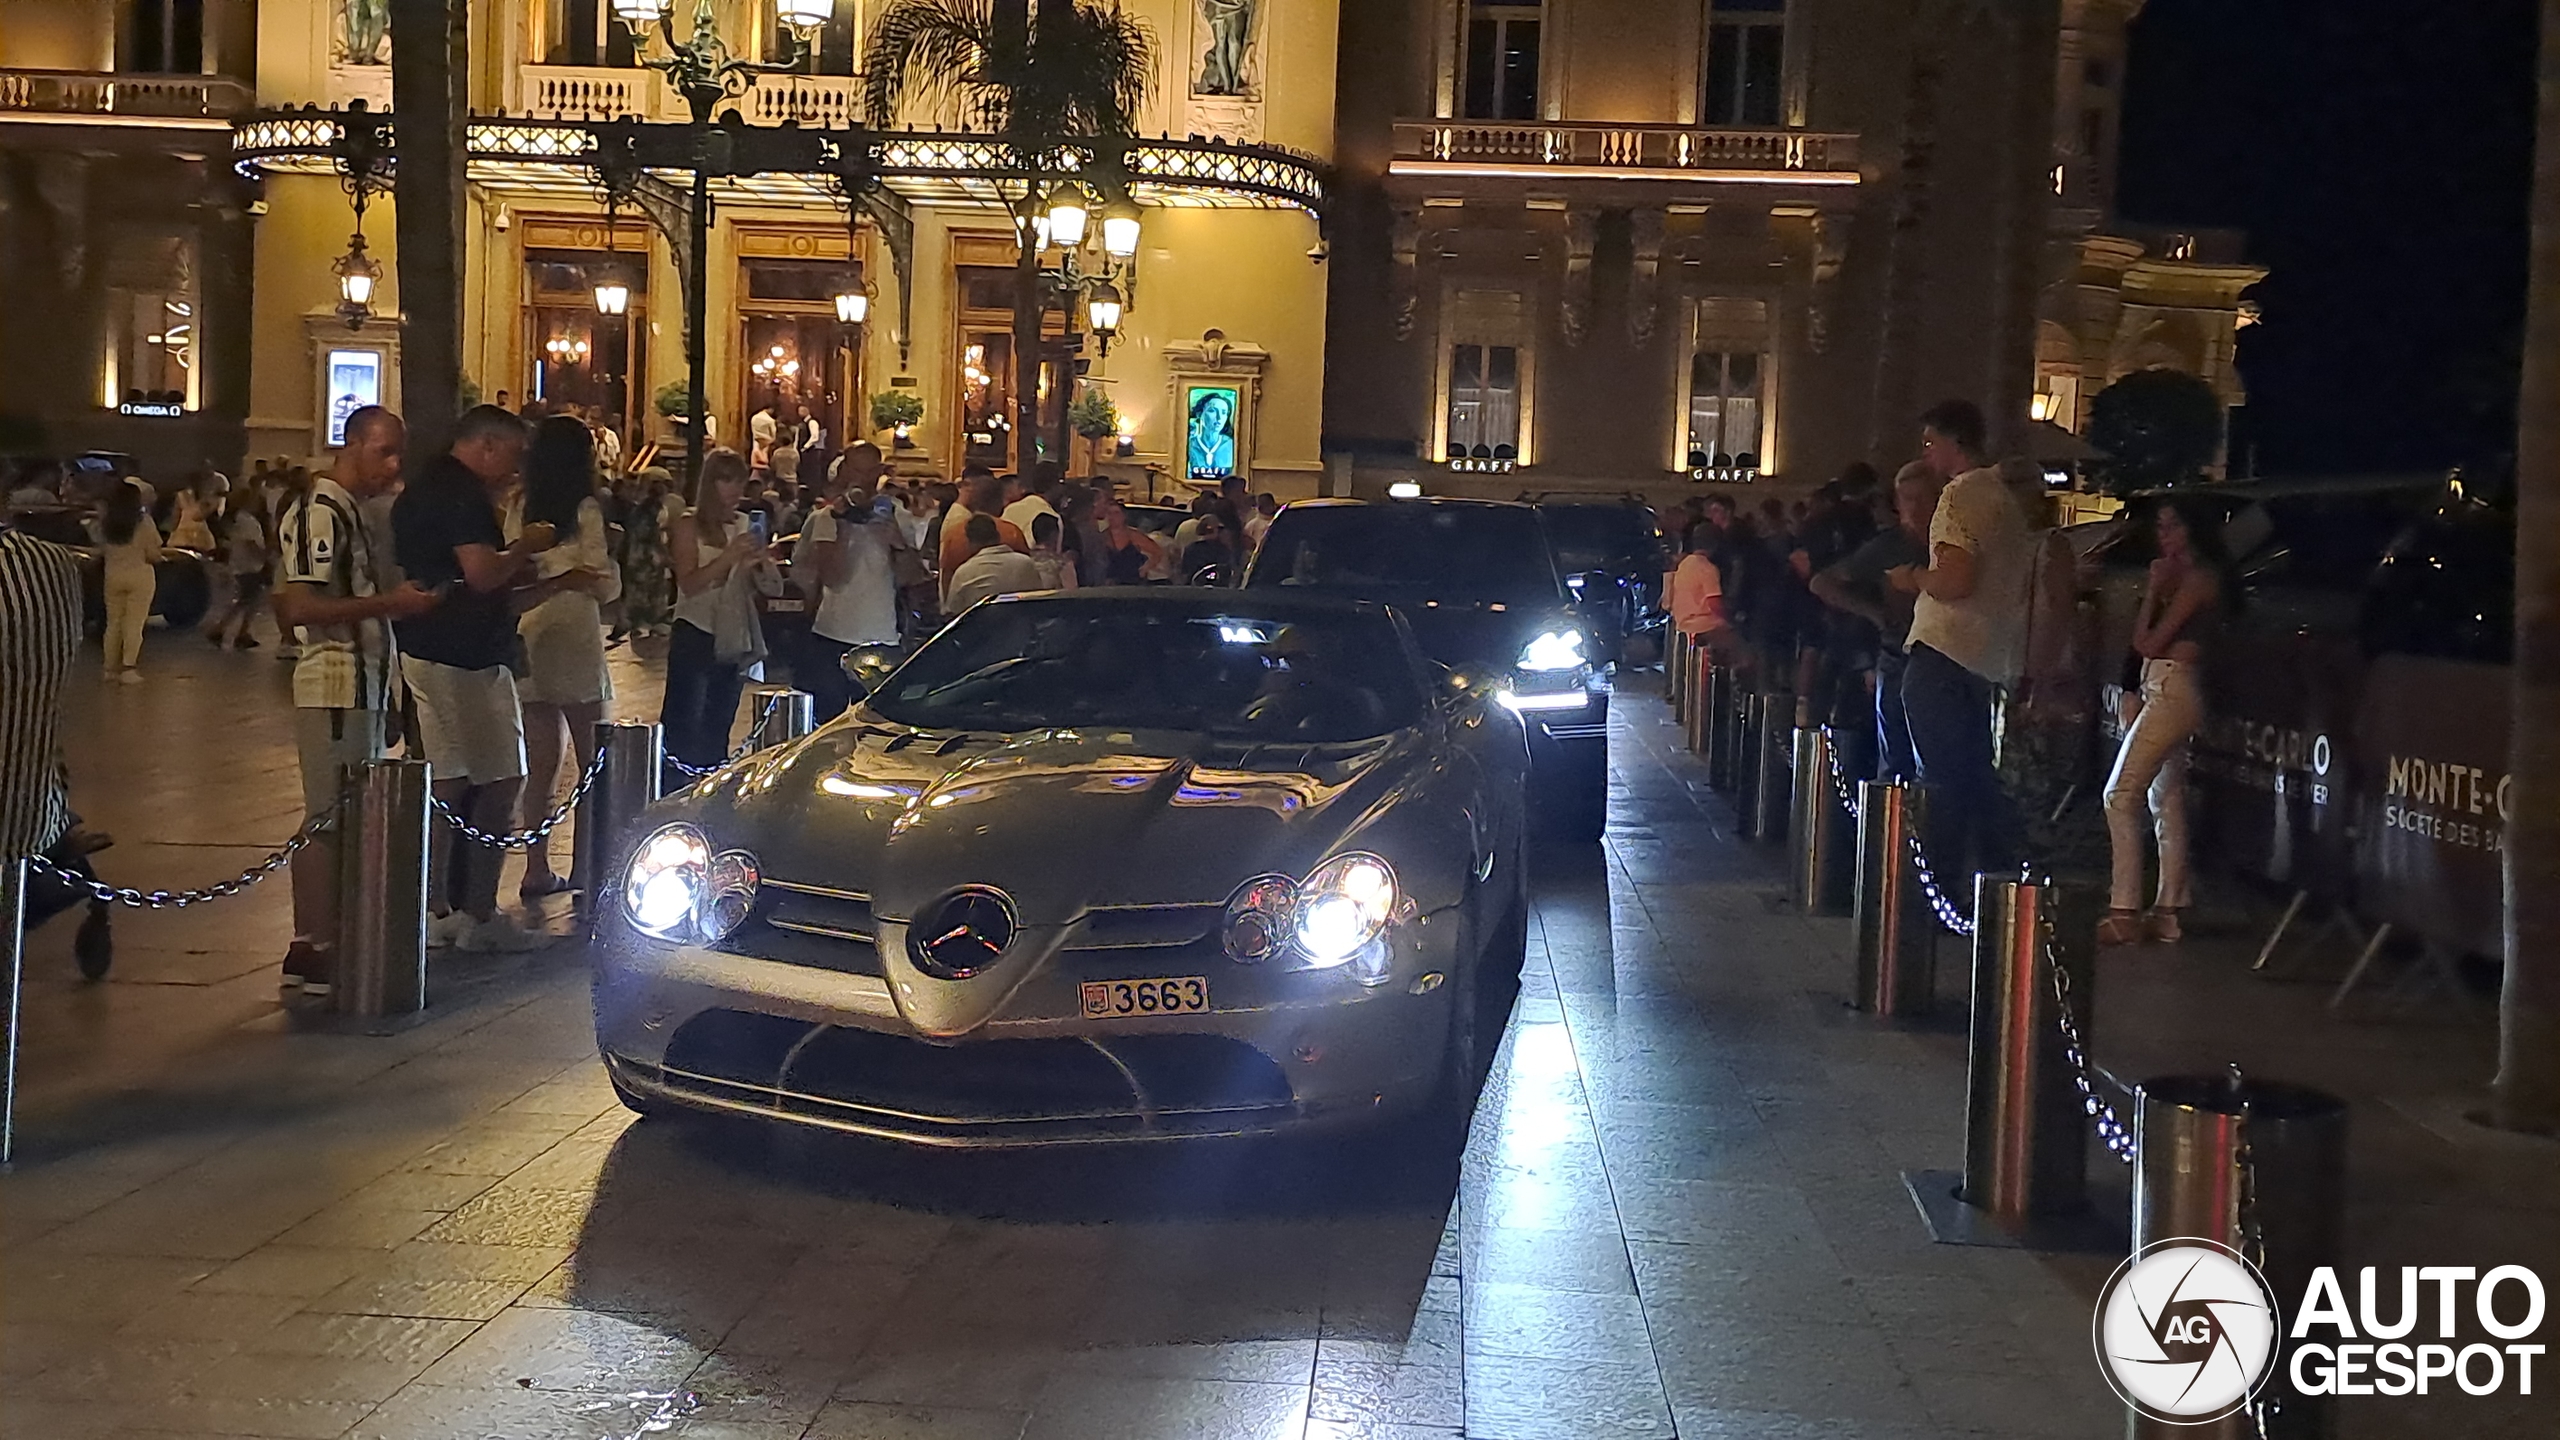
(1105, 865)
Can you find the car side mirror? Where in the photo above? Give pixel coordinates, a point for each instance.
(1213, 575)
(1591, 583)
(865, 667)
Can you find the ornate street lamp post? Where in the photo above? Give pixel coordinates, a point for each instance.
(705, 72)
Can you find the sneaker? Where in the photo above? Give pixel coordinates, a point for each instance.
(501, 935)
(319, 967)
(129, 677)
(447, 929)
(245, 642)
(299, 962)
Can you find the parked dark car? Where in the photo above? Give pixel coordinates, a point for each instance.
(1613, 561)
(1477, 581)
(183, 579)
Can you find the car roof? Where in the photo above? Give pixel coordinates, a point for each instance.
(1437, 502)
(1206, 599)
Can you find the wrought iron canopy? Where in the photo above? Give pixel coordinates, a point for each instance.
(792, 164)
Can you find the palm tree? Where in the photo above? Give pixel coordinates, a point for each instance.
(1070, 74)
(2526, 1094)
(1891, 406)
(427, 70)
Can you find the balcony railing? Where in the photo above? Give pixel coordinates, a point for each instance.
(586, 92)
(589, 92)
(1632, 151)
(77, 93)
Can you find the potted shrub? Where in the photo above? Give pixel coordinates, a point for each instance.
(1096, 419)
(897, 411)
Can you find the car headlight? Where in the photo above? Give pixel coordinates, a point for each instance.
(676, 889)
(1335, 918)
(1259, 919)
(1551, 651)
(1342, 907)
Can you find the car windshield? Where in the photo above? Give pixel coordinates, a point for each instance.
(1446, 552)
(1616, 538)
(1320, 678)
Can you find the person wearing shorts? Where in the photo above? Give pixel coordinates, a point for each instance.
(447, 539)
(346, 675)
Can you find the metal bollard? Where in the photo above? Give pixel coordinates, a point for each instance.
(2189, 1134)
(1897, 956)
(1702, 673)
(1773, 717)
(634, 761)
(782, 715)
(2024, 1127)
(1725, 743)
(1822, 836)
(13, 949)
(1742, 744)
(382, 890)
(1675, 674)
(1715, 699)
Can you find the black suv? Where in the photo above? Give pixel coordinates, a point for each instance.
(1613, 563)
(1477, 581)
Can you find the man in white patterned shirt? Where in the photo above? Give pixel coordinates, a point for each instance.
(347, 681)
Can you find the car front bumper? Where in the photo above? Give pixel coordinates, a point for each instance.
(715, 1030)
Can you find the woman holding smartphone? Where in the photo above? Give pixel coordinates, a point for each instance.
(714, 547)
(2184, 600)
(565, 685)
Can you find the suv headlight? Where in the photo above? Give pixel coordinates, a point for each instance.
(1551, 651)
(676, 889)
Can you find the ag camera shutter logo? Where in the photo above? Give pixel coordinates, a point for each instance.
(2186, 1331)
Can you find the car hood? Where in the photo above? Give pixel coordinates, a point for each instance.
(1458, 633)
(1063, 821)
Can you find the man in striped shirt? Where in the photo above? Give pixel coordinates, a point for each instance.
(40, 630)
(346, 679)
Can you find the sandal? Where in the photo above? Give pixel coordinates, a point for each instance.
(2161, 926)
(550, 885)
(2121, 927)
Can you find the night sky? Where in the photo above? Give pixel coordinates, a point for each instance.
(2379, 153)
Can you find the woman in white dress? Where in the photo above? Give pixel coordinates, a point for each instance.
(565, 685)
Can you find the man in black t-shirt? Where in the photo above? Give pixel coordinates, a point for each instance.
(1855, 589)
(446, 536)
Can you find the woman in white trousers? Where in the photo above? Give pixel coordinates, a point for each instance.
(2183, 604)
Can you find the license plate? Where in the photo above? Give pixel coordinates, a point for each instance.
(1112, 999)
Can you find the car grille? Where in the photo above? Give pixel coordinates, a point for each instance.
(813, 925)
(830, 929)
(981, 1090)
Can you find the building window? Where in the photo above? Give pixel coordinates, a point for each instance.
(1746, 62)
(1484, 402)
(584, 32)
(164, 37)
(1726, 411)
(154, 343)
(1502, 61)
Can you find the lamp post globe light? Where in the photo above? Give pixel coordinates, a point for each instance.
(705, 72)
(357, 272)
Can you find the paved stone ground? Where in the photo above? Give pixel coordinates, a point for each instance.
(1679, 1210)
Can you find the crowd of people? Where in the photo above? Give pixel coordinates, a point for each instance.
(465, 615)
(1936, 625)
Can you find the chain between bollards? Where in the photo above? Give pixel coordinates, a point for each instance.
(520, 839)
(105, 893)
(746, 747)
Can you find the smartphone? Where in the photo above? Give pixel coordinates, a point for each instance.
(760, 525)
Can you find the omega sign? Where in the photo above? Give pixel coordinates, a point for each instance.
(2435, 798)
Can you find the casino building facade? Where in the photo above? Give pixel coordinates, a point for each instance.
(1629, 246)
